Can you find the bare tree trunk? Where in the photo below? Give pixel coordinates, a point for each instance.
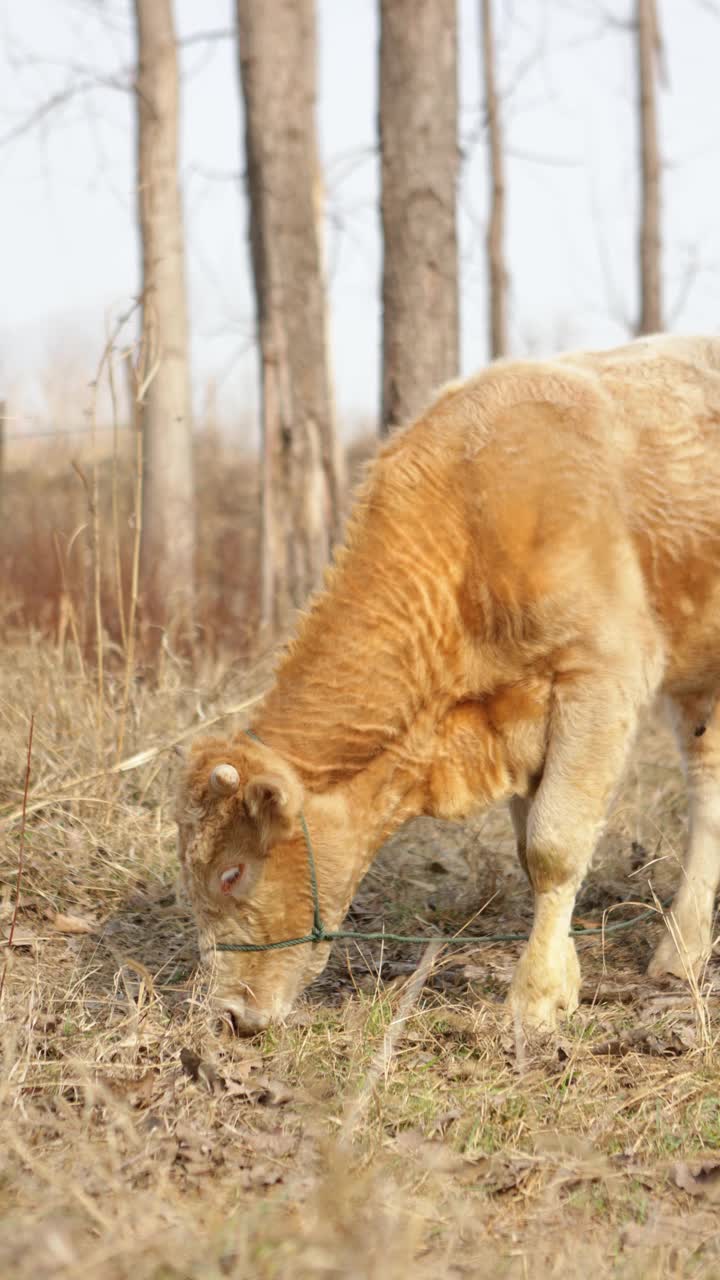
(302, 469)
(168, 541)
(648, 47)
(495, 240)
(418, 143)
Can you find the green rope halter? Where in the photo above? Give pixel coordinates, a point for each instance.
(319, 933)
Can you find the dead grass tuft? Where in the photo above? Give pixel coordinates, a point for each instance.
(52, 524)
(391, 1129)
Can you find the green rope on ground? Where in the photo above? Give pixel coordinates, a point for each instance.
(319, 933)
(455, 940)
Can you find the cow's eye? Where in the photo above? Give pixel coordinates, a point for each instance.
(229, 878)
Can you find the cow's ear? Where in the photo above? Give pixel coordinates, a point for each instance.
(273, 801)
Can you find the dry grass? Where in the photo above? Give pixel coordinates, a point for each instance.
(387, 1131)
(47, 545)
(46, 550)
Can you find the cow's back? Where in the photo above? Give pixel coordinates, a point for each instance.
(568, 469)
(669, 390)
(666, 398)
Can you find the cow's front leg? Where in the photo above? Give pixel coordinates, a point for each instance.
(592, 722)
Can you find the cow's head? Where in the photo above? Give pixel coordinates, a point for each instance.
(244, 862)
(243, 852)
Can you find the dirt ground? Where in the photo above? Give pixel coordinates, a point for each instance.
(391, 1128)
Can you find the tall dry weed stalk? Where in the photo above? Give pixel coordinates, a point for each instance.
(138, 380)
(106, 369)
(21, 856)
(393, 1033)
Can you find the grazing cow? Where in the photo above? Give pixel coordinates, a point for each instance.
(528, 565)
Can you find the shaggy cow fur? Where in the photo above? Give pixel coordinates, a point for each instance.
(528, 565)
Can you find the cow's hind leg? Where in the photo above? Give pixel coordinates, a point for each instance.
(519, 808)
(592, 722)
(687, 943)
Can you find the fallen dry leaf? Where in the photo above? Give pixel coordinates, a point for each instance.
(498, 1174)
(274, 1143)
(704, 1181)
(250, 1087)
(45, 1023)
(25, 903)
(22, 940)
(609, 992)
(137, 1092)
(70, 924)
(193, 1147)
(663, 1044)
(260, 1089)
(201, 1072)
(495, 1174)
(263, 1174)
(191, 1063)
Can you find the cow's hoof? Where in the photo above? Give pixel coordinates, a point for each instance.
(539, 992)
(677, 959)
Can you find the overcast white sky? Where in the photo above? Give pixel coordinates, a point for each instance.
(68, 249)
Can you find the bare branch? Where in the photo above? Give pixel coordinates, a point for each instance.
(59, 99)
(216, 175)
(615, 301)
(534, 157)
(691, 273)
(205, 37)
(88, 80)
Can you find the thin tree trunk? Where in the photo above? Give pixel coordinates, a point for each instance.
(168, 541)
(495, 240)
(302, 469)
(648, 43)
(419, 153)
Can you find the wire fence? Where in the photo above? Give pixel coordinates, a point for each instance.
(60, 433)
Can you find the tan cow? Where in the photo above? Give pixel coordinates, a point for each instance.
(528, 565)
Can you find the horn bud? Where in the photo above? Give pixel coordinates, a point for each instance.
(224, 780)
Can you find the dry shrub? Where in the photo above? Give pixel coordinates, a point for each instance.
(46, 552)
(46, 549)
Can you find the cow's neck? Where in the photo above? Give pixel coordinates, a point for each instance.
(354, 818)
(381, 646)
(444, 769)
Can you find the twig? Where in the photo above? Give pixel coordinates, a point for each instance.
(21, 856)
(205, 37)
(51, 104)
